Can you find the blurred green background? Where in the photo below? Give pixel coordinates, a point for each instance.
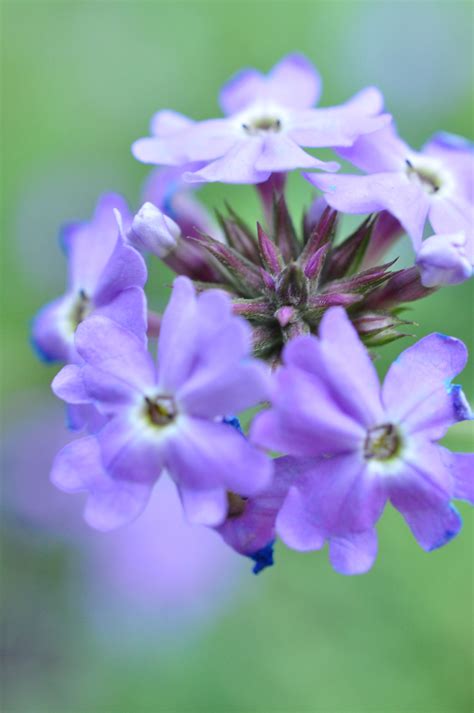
(80, 82)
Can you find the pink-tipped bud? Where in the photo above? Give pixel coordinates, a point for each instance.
(153, 231)
(444, 260)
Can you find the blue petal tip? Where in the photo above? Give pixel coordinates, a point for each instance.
(263, 558)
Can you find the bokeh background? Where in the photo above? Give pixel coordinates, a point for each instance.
(157, 618)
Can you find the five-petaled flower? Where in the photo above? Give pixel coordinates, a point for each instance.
(360, 445)
(269, 118)
(167, 415)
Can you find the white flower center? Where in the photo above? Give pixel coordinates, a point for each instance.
(428, 173)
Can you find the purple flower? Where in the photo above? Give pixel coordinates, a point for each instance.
(153, 231)
(268, 120)
(106, 277)
(365, 445)
(446, 259)
(164, 416)
(435, 183)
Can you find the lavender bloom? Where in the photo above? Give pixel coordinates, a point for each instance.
(164, 416)
(268, 120)
(364, 445)
(445, 259)
(435, 183)
(106, 277)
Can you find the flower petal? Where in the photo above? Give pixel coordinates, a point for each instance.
(68, 385)
(110, 503)
(404, 199)
(204, 507)
(206, 455)
(417, 390)
(354, 554)
(129, 309)
(52, 331)
(236, 165)
(281, 153)
(379, 152)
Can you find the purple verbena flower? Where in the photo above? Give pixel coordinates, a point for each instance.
(268, 119)
(436, 183)
(446, 259)
(106, 277)
(365, 445)
(164, 415)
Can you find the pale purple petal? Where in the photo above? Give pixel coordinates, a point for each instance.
(293, 82)
(237, 165)
(379, 152)
(110, 504)
(167, 151)
(304, 419)
(422, 494)
(168, 122)
(332, 497)
(281, 153)
(204, 507)
(115, 352)
(417, 390)
(89, 246)
(443, 260)
(125, 268)
(394, 192)
(457, 155)
(178, 334)
(52, 331)
(354, 554)
(206, 455)
(85, 417)
(462, 468)
(129, 309)
(131, 448)
(69, 386)
(337, 126)
(451, 214)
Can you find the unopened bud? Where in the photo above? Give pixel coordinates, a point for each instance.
(153, 231)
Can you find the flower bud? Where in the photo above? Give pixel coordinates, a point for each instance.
(153, 231)
(444, 260)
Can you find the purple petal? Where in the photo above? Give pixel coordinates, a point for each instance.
(394, 192)
(69, 386)
(206, 455)
(293, 82)
(237, 165)
(110, 503)
(125, 268)
(254, 528)
(332, 497)
(379, 152)
(168, 122)
(204, 507)
(305, 420)
(462, 466)
(443, 260)
(167, 151)
(457, 155)
(85, 417)
(417, 390)
(281, 153)
(422, 492)
(132, 449)
(90, 245)
(452, 214)
(117, 354)
(129, 310)
(354, 554)
(53, 330)
(178, 334)
(335, 126)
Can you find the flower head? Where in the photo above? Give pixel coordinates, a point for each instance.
(165, 415)
(435, 183)
(364, 445)
(106, 278)
(268, 121)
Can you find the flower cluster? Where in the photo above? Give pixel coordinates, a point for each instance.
(274, 317)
